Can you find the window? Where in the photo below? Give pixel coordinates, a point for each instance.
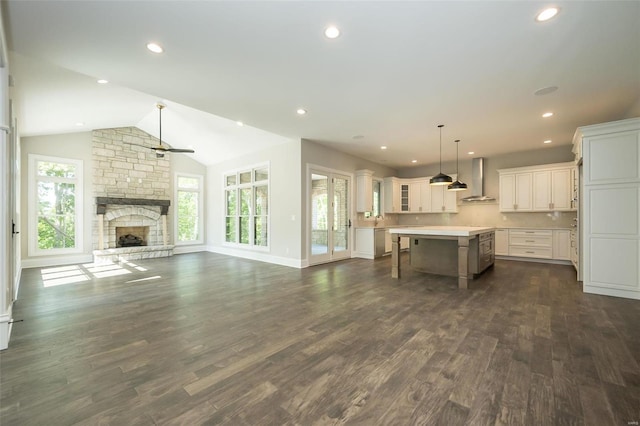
(55, 205)
(377, 200)
(247, 207)
(188, 208)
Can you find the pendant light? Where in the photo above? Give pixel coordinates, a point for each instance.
(440, 178)
(457, 185)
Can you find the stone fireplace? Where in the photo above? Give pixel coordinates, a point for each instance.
(140, 222)
(132, 189)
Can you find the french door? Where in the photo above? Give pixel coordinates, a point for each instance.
(329, 220)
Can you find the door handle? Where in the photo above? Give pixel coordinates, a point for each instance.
(13, 228)
(349, 225)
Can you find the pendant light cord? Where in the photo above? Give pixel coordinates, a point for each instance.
(441, 126)
(457, 156)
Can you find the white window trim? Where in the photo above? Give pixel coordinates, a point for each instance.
(200, 192)
(32, 246)
(372, 218)
(251, 246)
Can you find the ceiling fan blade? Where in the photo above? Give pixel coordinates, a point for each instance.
(180, 150)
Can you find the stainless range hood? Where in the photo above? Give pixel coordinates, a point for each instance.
(477, 182)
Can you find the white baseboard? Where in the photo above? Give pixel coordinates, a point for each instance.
(362, 255)
(189, 249)
(40, 262)
(5, 329)
(627, 294)
(253, 255)
(533, 259)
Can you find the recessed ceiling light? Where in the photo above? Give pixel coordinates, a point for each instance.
(545, 90)
(155, 48)
(240, 123)
(301, 111)
(414, 161)
(103, 81)
(332, 32)
(471, 152)
(383, 147)
(547, 114)
(547, 141)
(547, 14)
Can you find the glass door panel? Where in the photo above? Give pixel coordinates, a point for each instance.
(340, 214)
(319, 214)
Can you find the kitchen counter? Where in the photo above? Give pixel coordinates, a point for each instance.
(449, 231)
(446, 237)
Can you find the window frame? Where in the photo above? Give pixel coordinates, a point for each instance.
(371, 216)
(200, 192)
(32, 221)
(238, 187)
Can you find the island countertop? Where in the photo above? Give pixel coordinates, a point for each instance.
(449, 231)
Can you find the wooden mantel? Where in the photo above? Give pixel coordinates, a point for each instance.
(102, 203)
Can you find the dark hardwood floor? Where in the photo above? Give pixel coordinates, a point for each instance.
(207, 339)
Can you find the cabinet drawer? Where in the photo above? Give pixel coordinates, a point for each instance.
(531, 241)
(530, 233)
(538, 252)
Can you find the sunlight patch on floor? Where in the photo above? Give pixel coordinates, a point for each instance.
(73, 274)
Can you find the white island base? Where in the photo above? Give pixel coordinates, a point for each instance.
(462, 234)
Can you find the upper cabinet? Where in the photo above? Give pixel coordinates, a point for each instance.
(364, 191)
(391, 195)
(515, 192)
(547, 187)
(417, 196)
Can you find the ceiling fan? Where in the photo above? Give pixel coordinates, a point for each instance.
(161, 149)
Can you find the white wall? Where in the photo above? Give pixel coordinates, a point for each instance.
(284, 209)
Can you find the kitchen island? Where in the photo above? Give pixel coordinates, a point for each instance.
(470, 247)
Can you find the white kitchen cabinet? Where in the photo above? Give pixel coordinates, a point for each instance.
(547, 187)
(516, 192)
(543, 244)
(414, 197)
(611, 207)
(443, 201)
(391, 195)
(364, 190)
(365, 243)
(502, 242)
(552, 190)
(536, 243)
(417, 196)
(562, 244)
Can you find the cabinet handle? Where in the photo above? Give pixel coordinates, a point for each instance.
(529, 241)
(530, 252)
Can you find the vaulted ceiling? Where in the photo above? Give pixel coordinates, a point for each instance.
(397, 70)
